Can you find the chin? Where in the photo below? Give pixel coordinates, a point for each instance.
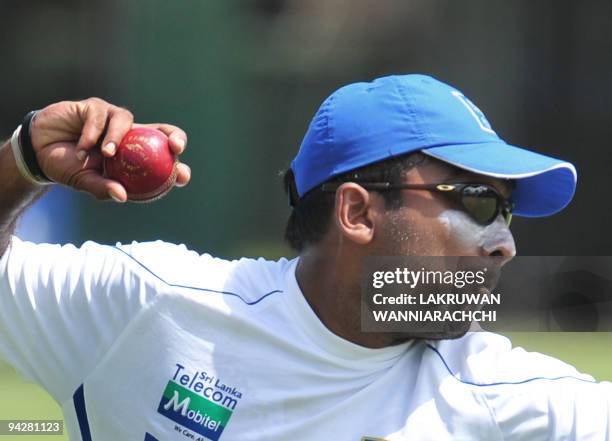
(458, 330)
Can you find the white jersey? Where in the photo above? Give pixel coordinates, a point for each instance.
(155, 342)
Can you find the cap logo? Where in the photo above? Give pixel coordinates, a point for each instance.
(480, 118)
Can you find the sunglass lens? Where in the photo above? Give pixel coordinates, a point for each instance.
(482, 207)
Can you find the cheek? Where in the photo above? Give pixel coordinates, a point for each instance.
(397, 233)
(461, 229)
(408, 232)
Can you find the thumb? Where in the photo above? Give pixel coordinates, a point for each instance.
(93, 183)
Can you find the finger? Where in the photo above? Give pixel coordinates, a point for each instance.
(183, 175)
(92, 130)
(94, 113)
(116, 191)
(178, 141)
(93, 183)
(120, 121)
(177, 136)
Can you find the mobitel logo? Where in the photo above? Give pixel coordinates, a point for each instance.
(193, 411)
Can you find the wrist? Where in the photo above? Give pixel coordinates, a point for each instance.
(24, 154)
(11, 173)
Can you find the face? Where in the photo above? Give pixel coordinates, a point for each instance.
(430, 224)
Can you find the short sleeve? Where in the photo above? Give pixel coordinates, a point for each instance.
(530, 396)
(555, 408)
(537, 397)
(62, 307)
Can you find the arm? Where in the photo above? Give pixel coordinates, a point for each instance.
(15, 197)
(65, 137)
(62, 307)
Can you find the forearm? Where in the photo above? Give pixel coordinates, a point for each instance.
(16, 194)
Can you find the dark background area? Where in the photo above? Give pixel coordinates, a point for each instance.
(243, 78)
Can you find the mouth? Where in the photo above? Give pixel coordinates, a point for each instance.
(491, 266)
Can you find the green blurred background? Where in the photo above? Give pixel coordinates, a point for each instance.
(244, 77)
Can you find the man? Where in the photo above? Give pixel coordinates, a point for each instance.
(153, 341)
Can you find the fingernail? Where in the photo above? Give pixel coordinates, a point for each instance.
(181, 143)
(188, 170)
(110, 149)
(81, 154)
(115, 198)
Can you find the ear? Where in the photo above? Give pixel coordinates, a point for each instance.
(354, 213)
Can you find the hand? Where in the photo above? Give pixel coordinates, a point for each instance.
(71, 137)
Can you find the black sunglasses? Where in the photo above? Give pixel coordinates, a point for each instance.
(481, 201)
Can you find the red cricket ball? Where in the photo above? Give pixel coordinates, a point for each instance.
(143, 164)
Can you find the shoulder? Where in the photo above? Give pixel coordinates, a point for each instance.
(159, 261)
(22, 257)
(487, 359)
(176, 265)
(528, 395)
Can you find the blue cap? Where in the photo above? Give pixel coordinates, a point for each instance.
(363, 123)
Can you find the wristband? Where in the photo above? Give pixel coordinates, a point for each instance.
(25, 157)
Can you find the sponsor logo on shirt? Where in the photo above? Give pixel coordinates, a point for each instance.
(199, 402)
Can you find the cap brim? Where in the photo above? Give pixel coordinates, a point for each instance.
(544, 185)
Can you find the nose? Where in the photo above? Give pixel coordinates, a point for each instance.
(499, 241)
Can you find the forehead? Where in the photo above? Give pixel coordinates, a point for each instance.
(433, 171)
